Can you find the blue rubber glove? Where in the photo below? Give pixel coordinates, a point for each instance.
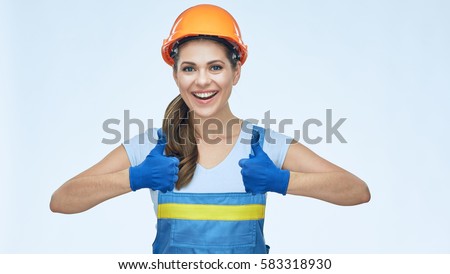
(260, 174)
(157, 171)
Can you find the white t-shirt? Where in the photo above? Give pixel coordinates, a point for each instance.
(222, 178)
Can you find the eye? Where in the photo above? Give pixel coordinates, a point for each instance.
(188, 69)
(216, 67)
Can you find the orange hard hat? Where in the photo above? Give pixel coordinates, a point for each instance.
(204, 20)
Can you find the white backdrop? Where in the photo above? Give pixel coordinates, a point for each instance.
(67, 66)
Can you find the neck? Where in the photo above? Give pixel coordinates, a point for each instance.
(221, 126)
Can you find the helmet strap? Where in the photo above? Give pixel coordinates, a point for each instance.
(233, 48)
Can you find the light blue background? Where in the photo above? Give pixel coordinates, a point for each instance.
(67, 66)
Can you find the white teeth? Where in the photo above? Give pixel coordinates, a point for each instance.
(205, 94)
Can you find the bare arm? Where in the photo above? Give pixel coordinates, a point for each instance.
(106, 179)
(315, 177)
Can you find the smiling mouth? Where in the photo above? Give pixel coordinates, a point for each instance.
(205, 95)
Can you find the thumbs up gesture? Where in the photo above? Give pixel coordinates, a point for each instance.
(260, 174)
(157, 171)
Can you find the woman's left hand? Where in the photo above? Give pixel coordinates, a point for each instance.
(260, 174)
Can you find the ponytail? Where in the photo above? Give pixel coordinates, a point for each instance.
(181, 142)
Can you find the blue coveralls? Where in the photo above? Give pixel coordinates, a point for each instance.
(224, 223)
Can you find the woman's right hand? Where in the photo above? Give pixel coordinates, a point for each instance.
(157, 171)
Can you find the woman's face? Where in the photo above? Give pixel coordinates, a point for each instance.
(205, 78)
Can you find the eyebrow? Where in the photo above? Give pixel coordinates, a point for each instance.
(209, 63)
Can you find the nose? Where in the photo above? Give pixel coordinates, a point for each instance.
(203, 78)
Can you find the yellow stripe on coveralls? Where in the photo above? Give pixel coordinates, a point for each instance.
(211, 212)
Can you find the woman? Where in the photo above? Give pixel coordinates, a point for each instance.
(209, 171)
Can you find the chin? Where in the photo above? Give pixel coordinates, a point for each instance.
(203, 113)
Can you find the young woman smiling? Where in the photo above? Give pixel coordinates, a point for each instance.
(209, 185)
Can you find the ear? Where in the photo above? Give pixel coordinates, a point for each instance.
(237, 73)
(175, 77)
